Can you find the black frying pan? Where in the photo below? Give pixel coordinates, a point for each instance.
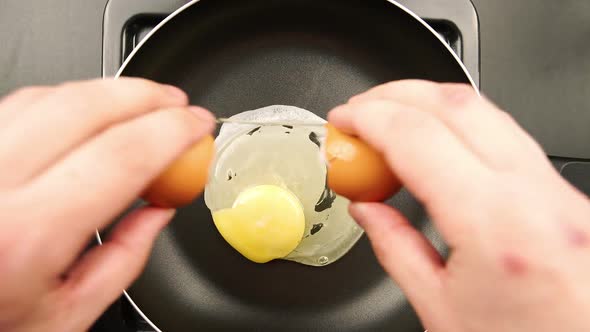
(236, 55)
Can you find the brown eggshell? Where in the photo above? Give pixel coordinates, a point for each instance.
(356, 170)
(185, 179)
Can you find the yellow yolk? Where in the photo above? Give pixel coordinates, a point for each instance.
(266, 222)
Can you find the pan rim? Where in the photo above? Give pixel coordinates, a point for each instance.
(193, 2)
(394, 2)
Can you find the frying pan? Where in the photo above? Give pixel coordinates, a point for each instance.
(231, 56)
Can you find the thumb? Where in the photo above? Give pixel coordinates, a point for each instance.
(405, 254)
(103, 273)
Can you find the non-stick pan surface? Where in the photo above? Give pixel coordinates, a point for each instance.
(236, 55)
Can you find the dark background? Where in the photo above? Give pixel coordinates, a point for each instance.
(535, 58)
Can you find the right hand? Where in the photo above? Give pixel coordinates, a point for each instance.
(519, 234)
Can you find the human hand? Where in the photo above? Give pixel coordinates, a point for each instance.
(519, 234)
(73, 157)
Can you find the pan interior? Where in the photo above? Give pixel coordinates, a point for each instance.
(232, 56)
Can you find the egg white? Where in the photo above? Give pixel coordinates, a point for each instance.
(249, 155)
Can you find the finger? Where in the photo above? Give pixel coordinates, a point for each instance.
(103, 177)
(14, 104)
(490, 132)
(429, 160)
(405, 254)
(71, 114)
(103, 273)
(427, 157)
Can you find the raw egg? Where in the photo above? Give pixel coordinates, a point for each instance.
(356, 170)
(266, 222)
(268, 191)
(185, 178)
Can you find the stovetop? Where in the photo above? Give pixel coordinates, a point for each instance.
(126, 22)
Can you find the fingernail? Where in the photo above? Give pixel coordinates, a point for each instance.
(202, 113)
(176, 92)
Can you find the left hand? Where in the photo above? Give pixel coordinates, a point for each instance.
(72, 158)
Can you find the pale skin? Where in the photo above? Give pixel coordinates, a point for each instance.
(74, 156)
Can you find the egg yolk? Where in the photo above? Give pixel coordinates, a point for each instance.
(266, 222)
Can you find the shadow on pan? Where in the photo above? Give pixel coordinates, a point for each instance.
(232, 56)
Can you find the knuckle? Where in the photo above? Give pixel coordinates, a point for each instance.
(408, 85)
(412, 120)
(112, 99)
(181, 123)
(69, 86)
(457, 94)
(135, 80)
(417, 83)
(391, 120)
(392, 117)
(419, 87)
(506, 117)
(140, 85)
(138, 153)
(125, 92)
(72, 92)
(80, 94)
(139, 90)
(374, 112)
(24, 93)
(28, 91)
